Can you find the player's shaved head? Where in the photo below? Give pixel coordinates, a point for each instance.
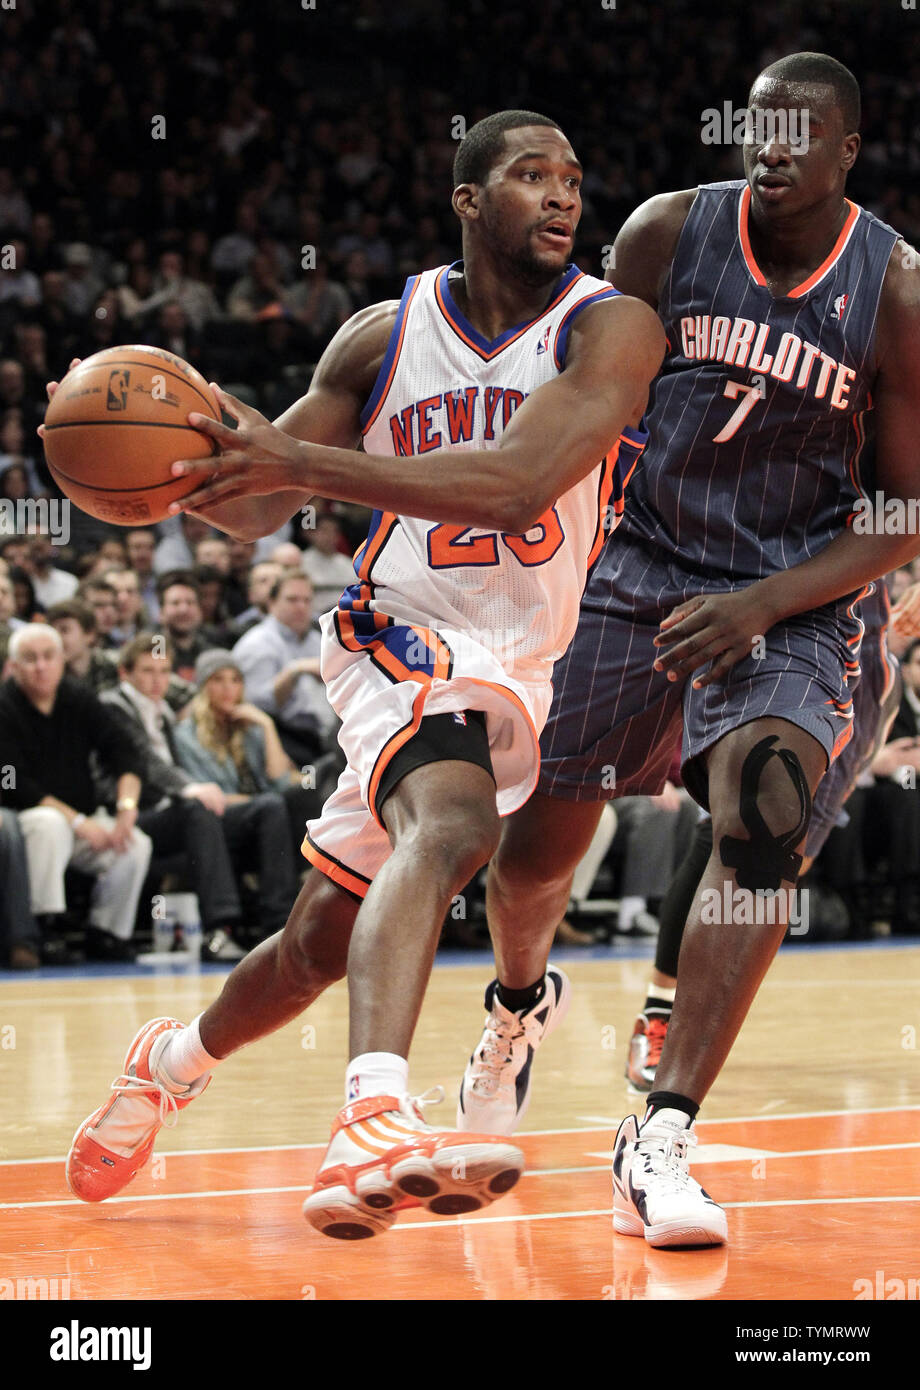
(485, 141)
(816, 70)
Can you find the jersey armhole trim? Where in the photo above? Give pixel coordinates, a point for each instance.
(391, 357)
(561, 341)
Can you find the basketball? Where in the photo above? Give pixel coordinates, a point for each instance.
(115, 426)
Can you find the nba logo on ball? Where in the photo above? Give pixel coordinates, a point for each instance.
(118, 391)
(115, 426)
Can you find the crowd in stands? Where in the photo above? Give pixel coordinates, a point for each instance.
(280, 194)
(157, 721)
(199, 741)
(172, 172)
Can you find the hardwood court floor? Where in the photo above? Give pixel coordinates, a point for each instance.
(816, 1202)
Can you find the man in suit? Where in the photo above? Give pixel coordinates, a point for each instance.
(179, 814)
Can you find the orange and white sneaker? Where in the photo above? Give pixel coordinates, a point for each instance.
(382, 1153)
(115, 1142)
(644, 1054)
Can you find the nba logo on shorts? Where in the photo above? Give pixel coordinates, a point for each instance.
(459, 719)
(118, 390)
(354, 1087)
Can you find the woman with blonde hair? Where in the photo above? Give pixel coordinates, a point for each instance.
(227, 741)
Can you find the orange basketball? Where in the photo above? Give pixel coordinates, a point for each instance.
(115, 426)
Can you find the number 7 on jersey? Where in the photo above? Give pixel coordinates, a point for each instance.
(750, 395)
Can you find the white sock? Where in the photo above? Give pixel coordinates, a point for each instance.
(630, 907)
(128, 1121)
(184, 1058)
(376, 1074)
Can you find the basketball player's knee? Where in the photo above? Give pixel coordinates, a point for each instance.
(762, 815)
(461, 839)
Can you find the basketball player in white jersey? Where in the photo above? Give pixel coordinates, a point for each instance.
(524, 381)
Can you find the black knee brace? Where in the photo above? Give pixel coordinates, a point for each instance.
(764, 860)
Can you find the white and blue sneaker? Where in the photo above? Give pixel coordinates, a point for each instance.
(653, 1193)
(495, 1090)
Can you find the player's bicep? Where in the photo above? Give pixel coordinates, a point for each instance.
(568, 425)
(617, 343)
(330, 412)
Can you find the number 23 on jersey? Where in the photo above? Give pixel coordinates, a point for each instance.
(450, 547)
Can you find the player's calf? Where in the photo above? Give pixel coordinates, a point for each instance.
(530, 881)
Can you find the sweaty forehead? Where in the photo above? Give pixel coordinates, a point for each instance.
(817, 98)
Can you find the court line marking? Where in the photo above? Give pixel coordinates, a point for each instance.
(528, 1173)
(602, 1123)
(477, 1221)
(282, 1148)
(253, 1191)
(759, 1155)
(608, 1211)
(145, 986)
(609, 1122)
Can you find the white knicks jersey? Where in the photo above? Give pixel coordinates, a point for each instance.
(442, 385)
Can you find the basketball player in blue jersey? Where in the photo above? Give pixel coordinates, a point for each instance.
(522, 382)
(724, 602)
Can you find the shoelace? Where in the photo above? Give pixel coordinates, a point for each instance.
(413, 1106)
(666, 1159)
(494, 1054)
(656, 1033)
(168, 1109)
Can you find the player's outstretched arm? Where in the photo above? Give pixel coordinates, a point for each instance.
(328, 414)
(721, 628)
(557, 436)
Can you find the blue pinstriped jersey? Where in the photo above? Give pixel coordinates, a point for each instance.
(760, 421)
